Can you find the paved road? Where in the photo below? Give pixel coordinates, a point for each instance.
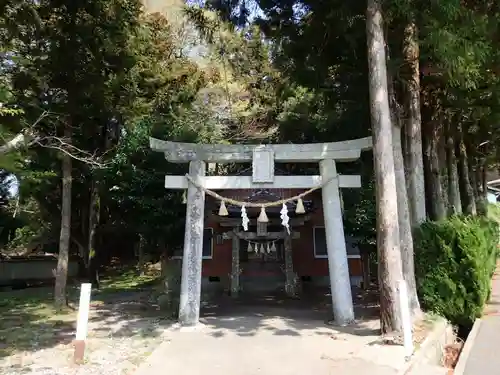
(484, 357)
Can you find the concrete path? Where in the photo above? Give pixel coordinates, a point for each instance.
(274, 341)
(484, 356)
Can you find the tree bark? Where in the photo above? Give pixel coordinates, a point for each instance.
(83, 250)
(141, 255)
(413, 127)
(443, 175)
(94, 216)
(484, 180)
(389, 254)
(435, 195)
(455, 205)
(404, 220)
(466, 190)
(482, 199)
(405, 229)
(22, 139)
(65, 234)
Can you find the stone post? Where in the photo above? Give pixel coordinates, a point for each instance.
(189, 306)
(290, 283)
(340, 282)
(235, 264)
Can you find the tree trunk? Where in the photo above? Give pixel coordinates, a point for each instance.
(141, 256)
(472, 169)
(443, 175)
(94, 216)
(484, 180)
(22, 139)
(83, 250)
(455, 204)
(466, 190)
(65, 234)
(482, 199)
(435, 195)
(413, 127)
(405, 229)
(404, 220)
(389, 254)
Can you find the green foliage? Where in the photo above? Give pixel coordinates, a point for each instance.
(494, 212)
(454, 262)
(359, 206)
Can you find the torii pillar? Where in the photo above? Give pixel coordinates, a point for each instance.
(340, 281)
(189, 304)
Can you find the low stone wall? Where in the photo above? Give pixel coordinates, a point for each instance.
(18, 270)
(430, 353)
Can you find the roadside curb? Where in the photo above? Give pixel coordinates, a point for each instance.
(431, 349)
(469, 343)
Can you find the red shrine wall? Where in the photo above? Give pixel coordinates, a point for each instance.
(304, 261)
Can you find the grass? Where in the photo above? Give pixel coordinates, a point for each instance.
(128, 279)
(29, 320)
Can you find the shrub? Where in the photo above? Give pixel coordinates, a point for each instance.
(454, 262)
(494, 212)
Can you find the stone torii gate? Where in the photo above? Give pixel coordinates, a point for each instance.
(263, 158)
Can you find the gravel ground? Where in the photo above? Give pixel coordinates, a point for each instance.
(117, 343)
(111, 356)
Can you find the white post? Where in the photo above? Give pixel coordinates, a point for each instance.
(82, 322)
(189, 306)
(340, 281)
(405, 318)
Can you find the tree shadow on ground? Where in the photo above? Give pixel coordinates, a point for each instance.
(274, 313)
(29, 323)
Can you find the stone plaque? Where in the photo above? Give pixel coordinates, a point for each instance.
(262, 165)
(261, 229)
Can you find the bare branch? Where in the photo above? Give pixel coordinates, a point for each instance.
(25, 137)
(72, 151)
(29, 137)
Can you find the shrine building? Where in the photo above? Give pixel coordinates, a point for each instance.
(262, 248)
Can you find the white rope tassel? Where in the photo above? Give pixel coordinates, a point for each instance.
(184, 197)
(223, 209)
(269, 248)
(244, 218)
(262, 250)
(256, 248)
(299, 209)
(249, 248)
(273, 248)
(284, 218)
(262, 217)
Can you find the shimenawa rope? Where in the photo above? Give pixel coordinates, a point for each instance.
(253, 204)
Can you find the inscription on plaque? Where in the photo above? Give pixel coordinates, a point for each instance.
(262, 165)
(261, 229)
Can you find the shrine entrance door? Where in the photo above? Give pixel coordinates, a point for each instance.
(262, 269)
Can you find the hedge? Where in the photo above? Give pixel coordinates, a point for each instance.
(454, 262)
